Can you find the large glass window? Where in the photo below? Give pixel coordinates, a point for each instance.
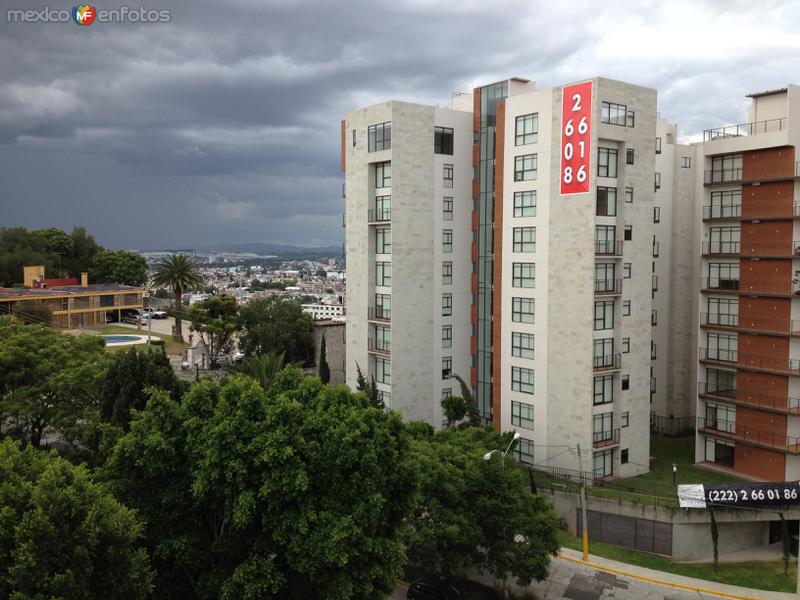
(522, 414)
(383, 370)
(447, 305)
(614, 114)
(527, 129)
(606, 237)
(522, 344)
(726, 204)
(602, 463)
(383, 273)
(383, 240)
(606, 162)
(522, 380)
(723, 311)
(447, 176)
(604, 352)
(720, 382)
(723, 276)
(722, 346)
(447, 336)
(523, 275)
(606, 201)
(524, 239)
(726, 168)
(724, 240)
(443, 140)
(383, 306)
(383, 208)
(383, 174)
(603, 315)
(525, 167)
(721, 417)
(522, 310)
(603, 426)
(447, 367)
(523, 450)
(379, 136)
(525, 204)
(604, 389)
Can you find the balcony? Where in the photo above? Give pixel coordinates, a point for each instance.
(765, 212)
(722, 176)
(788, 327)
(779, 289)
(606, 363)
(779, 404)
(743, 129)
(603, 439)
(379, 215)
(607, 287)
(379, 346)
(754, 172)
(379, 313)
(608, 248)
(713, 212)
(781, 249)
(720, 248)
(748, 435)
(763, 364)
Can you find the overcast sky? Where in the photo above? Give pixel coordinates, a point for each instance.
(222, 126)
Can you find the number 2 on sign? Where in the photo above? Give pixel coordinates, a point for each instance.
(576, 124)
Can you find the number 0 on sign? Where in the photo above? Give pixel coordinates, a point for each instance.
(576, 136)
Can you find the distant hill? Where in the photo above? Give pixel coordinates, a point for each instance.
(267, 248)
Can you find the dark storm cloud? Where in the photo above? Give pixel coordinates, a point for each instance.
(222, 125)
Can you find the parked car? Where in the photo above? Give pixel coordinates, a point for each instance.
(154, 313)
(135, 317)
(434, 588)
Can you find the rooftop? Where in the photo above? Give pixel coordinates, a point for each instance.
(66, 290)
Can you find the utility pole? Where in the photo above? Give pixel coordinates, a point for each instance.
(583, 507)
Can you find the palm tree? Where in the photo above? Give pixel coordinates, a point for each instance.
(179, 274)
(262, 367)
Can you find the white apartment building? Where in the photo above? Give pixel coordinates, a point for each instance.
(542, 302)
(323, 311)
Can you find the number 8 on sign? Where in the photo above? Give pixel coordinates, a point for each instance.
(576, 136)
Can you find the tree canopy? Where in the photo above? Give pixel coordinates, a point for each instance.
(118, 266)
(274, 325)
(63, 536)
(215, 320)
(178, 273)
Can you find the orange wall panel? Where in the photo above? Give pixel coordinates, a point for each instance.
(767, 238)
(768, 163)
(769, 199)
(763, 347)
(760, 462)
(762, 389)
(776, 273)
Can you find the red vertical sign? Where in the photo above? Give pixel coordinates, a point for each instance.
(576, 136)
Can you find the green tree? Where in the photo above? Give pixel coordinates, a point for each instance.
(19, 248)
(370, 388)
(262, 367)
(324, 369)
(84, 248)
(274, 325)
(294, 492)
(127, 268)
(215, 320)
(63, 536)
(129, 375)
(49, 379)
(179, 274)
(476, 513)
(56, 241)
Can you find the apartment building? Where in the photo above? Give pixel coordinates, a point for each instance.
(748, 368)
(675, 270)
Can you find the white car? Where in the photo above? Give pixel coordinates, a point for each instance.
(135, 317)
(154, 313)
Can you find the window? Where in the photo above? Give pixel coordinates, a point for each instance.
(525, 167)
(523, 275)
(383, 337)
(722, 346)
(383, 273)
(723, 276)
(720, 417)
(726, 168)
(656, 214)
(628, 195)
(383, 240)
(446, 392)
(631, 118)
(447, 208)
(386, 398)
(654, 282)
(447, 241)
(383, 174)
(628, 233)
(724, 240)
(522, 310)
(629, 153)
(447, 336)
(626, 308)
(524, 451)
(443, 140)
(447, 305)
(602, 463)
(605, 240)
(615, 114)
(606, 162)
(626, 345)
(522, 414)
(603, 315)
(626, 270)
(383, 306)
(653, 350)
(656, 248)
(527, 129)
(720, 451)
(447, 273)
(603, 352)
(603, 389)
(723, 311)
(606, 201)
(447, 367)
(603, 426)
(623, 456)
(626, 382)
(658, 145)
(524, 239)
(725, 204)
(686, 162)
(354, 138)
(447, 174)
(525, 204)
(605, 277)
(522, 345)
(383, 208)
(658, 180)
(721, 382)
(653, 317)
(383, 370)
(379, 137)
(522, 380)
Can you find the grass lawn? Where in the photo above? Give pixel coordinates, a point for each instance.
(762, 576)
(172, 346)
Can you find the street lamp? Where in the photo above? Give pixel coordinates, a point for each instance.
(488, 455)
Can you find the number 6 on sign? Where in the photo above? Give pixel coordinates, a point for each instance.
(576, 107)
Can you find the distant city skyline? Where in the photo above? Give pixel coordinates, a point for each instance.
(201, 132)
